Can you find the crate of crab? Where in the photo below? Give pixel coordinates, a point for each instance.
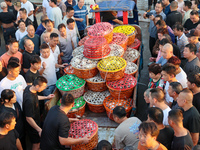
(128, 30)
(82, 41)
(71, 84)
(78, 108)
(78, 51)
(120, 39)
(83, 67)
(110, 103)
(82, 128)
(112, 68)
(122, 88)
(131, 68)
(131, 55)
(95, 100)
(96, 84)
(69, 70)
(116, 50)
(102, 29)
(96, 48)
(136, 44)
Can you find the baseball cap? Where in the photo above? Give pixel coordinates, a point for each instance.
(192, 33)
(3, 5)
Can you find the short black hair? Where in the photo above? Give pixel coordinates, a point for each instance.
(7, 94)
(149, 128)
(23, 10)
(62, 25)
(54, 1)
(8, 0)
(6, 118)
(159, 2)
(44, 46)
(156, 114)
(176, 115)
(194, 12)
(192, 47)
(178, 26)
(194, 78)
(67, 99)
(47, 21)
(53, 35)
(35, 59)
(164, 41)
(13, 59)
(176, 87)
(159, 16)
(39, 81)
(43, 18)
(169, 69)
(188, 4)
(11, 41)
(104, 145)
(70, 21)
(155, 68)
(21, 21)
(69, 8)
(161, 23)
(12, 65)
(196, 2)
(158, 94)
(119, 111)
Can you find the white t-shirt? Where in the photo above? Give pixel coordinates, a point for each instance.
(18, 85)
(29, 7)
(182, 78)
(71, 34)
(45, 4)
(55, 54)
(56, 16)
(165, 115)
(49, 72)
(19, 35)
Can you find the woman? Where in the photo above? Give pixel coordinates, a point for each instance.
(21, 32)
(9, 103)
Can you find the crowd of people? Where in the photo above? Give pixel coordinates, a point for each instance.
(36, 55)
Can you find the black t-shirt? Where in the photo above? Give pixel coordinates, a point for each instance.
(18, 116)
(173, 17)
(176, 51)
(107, 16)
(7, 17)
(182, 143)
(12, 10)
(191, 120)
(27, 58)
(189, 24)
(28, 22)
(56, 124)
(196, 101)
(8, 141)
(31, 106)
(30, 76)
(3, 73)
(165, 137)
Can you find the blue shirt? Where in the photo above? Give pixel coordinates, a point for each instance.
(162, 61)
(167, 10)
(73, 3)
(80, 13)
(40, 30)
(171, 34)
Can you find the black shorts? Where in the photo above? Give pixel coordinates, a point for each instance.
(33, 136)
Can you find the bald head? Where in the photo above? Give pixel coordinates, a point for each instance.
(167, 51)
(174, 5)
(29, 45)
(31, 31)
(187, 94)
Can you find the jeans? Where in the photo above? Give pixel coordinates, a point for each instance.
(8, 33)
(48, 90)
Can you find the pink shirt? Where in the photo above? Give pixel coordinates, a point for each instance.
(159, 55)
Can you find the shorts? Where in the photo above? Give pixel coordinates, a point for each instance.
(33, 136)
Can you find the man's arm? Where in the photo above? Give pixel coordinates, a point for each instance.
(46, 97)
(33, 124)
(71, 141)
(31, 12)
(18, 144)
(44, 10)
(78, 19)
(87, 20)
(118, 21)
(195, 138)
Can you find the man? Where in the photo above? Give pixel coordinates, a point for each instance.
(193, 63)
(7, 19)
(147, 137)
(23, 16)
(193, 38)
(166, 134)
(174, 16)
(127, 131)
(166, 53)
(187, 8)
(32, 111)
(33, 72)
(66, 43)
(29, 8)
(55, 14)
(191, 117)
(56, 126)
(71, 32)
(193, 21)
(62, 7)
(13, 47)
(70, 3)
(14, 81)
(111, 17)
(182, 40)
(81, 17)
(174, 89)
(195, 4)
(41, 28)
(180, 74)
(10, 8)
(182, 138)
(33, 37)
(69, 14)
(194, 86)
(152, 28)
(146, 96)
(49, 28)
(157, 99)
(27, 54)
(46, 8)
(9, 136)
(167, 5)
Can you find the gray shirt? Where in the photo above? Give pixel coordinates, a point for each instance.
(192, 66)
(62, 6)
(152, 27)
(66, 48)
(181, 42)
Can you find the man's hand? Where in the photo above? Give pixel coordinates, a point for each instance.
(144, 15)
(86, 140)
(73, 119)
(151, 17)
(44, 65)
(50, 96)
(39, 131)
(80, 19)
